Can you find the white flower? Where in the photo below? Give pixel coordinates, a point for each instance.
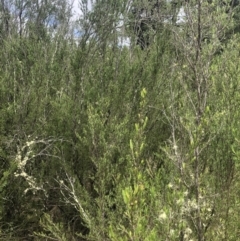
(188, 231)
(180, 201)
(162, 216)
(185, 193)
(172, 232)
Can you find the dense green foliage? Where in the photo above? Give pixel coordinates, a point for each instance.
(105, 142)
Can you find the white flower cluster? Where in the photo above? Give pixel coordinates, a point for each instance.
(21, 161)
